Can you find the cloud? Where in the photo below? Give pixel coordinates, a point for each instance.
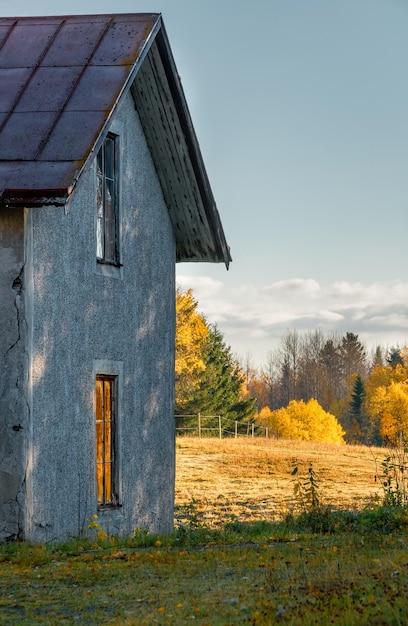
(253, 319)
(294, 286)
(204, 284)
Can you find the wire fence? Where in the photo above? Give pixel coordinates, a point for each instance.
(199, 425)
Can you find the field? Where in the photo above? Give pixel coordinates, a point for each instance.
(245, 551)
(250, 479)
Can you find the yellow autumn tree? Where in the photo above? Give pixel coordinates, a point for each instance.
(388, 405)
(300, 420)
(191, 334)
(382, 376)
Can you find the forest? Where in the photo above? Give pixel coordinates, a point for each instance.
(315, 386)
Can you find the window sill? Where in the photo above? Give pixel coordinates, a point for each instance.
(109, 507)
(109, 269)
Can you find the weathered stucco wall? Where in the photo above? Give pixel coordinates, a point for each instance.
(79, 318)
(13, 373)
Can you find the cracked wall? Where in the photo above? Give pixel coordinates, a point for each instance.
(63, 318)
(13, 369)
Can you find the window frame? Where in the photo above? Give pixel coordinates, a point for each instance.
(106, 181)
(107, 487)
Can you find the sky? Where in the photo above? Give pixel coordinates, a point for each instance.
(301, 112)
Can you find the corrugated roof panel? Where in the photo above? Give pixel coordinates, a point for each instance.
(23, 134)
(39, 97)
(36, 38)
(118, 44)
(74, 136)
(14, 174)
(14, 80)
(74, 43)
(98, 88)
(4, 30)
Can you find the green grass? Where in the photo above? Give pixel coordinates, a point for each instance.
(312, 565)
(356, 572)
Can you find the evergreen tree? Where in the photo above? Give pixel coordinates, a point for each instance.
(357, 426)
(221, 390)
(353, 360)
(378, 358)
(395, 358)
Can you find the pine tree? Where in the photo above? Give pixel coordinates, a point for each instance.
(353, 354)
(221, 387)
(378, 358)
(394, 357)
(357, 427)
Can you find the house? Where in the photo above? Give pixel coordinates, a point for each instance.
(102, 190)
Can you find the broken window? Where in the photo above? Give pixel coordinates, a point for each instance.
(107, 202)
(106, 425)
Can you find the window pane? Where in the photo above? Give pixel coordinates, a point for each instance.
(99, 482)
(108, 483)
(107, 386)
(99, 163)
(99, 442)
(109, 200)
(108, 441)
(110, 158)
(99, 239)
(99, 196)
(99, 410)
(109, 240)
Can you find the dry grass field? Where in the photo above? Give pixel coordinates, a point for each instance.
(249, 479)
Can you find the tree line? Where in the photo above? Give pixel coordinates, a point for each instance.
(366, 392)
(209, 379)
(318, 386)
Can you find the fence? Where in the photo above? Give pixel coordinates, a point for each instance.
(206, 425)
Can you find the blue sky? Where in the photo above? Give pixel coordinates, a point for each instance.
(301, 111)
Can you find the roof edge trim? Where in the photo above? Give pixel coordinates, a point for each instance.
(195, 154)
(28, 198)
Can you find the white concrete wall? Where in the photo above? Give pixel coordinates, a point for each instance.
(78, 318)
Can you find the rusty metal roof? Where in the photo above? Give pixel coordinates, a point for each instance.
(61, 79)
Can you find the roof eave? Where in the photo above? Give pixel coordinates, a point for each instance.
(27, 198)
(220, 250)
(223, 250)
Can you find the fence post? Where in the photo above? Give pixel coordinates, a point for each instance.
(236, 429)
(219, 426)
(253, 429)
(266, 432)
(199, 425)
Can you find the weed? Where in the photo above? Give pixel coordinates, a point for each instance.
(394, 477)
(306, 488)
(142, 538)
(94, 525)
